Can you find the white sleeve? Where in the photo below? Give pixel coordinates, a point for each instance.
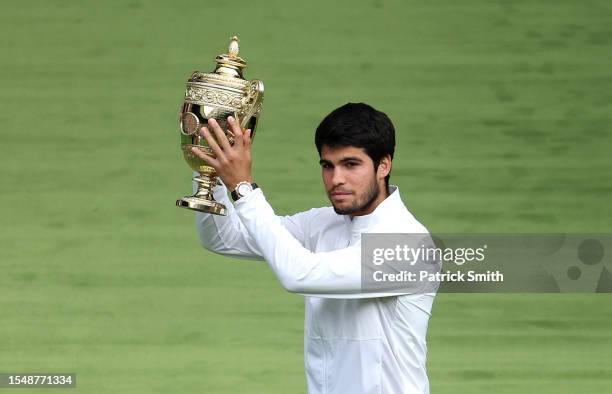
(226, 235)
(298, 269)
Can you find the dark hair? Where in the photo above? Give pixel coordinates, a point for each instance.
(361, 126)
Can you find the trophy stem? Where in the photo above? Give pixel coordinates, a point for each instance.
(205, 185)
(203, 200)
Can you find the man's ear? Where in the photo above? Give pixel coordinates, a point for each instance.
(384, 167)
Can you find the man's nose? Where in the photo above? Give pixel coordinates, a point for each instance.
(338, 177)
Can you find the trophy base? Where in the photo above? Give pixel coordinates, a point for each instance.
(201, 205)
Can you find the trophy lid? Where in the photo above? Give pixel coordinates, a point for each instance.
(230, 64)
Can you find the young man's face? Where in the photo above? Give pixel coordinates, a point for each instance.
(353, 185)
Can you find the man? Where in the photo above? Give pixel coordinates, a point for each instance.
(354, 341)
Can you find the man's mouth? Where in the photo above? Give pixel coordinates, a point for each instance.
(339, 193)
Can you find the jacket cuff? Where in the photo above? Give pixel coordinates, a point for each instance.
(253, 198)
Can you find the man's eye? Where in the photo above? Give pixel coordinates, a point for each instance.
(351, 164)
(326, 165)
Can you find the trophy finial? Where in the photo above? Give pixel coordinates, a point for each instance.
(233, 47)
(230, 64)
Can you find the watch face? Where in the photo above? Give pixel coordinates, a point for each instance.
(244, 189)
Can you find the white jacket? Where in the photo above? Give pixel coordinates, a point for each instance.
(354, 342)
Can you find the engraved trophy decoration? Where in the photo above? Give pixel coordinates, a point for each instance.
(217, 95)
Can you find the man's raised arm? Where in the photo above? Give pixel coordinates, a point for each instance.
(298, 269)
(227, 235)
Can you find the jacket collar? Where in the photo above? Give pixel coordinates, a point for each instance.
(386, 210)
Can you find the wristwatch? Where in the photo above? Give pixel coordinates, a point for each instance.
(242, 189)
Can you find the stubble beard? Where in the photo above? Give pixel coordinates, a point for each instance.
(361, 204)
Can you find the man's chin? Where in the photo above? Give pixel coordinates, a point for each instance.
(343, 209)
(341, 212)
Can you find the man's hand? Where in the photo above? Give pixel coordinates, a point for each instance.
(232, 162)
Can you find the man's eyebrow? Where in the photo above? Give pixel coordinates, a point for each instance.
(350, 158)
(343, 160)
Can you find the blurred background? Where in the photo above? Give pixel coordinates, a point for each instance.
(502, 111)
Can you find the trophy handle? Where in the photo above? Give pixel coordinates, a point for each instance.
(252, 102)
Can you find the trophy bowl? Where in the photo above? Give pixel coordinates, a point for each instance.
(219, 94)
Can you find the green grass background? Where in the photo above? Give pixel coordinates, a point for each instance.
(502, 111)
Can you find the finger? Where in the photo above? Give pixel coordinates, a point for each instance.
(247, 139)
(221, 137)
(207, 159)
(212, 143)
(236, 131)
(235, 125)
(202, 130)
